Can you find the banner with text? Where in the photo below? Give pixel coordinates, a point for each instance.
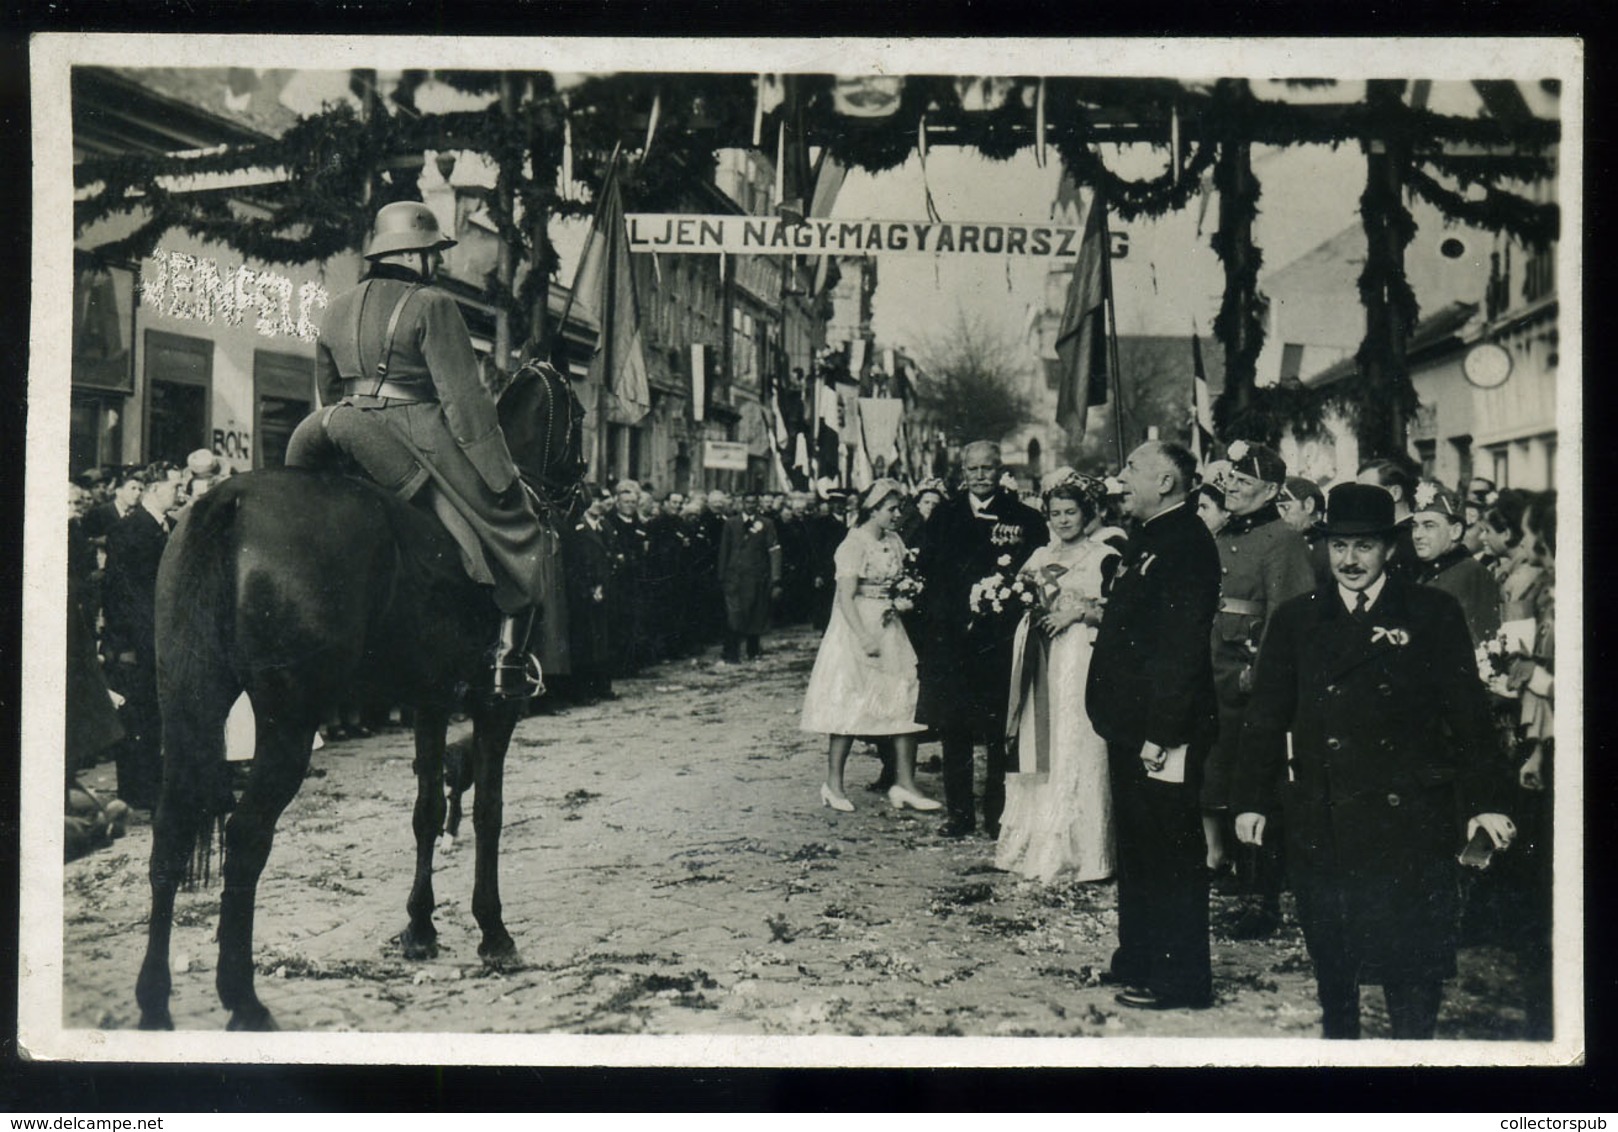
(759, 235)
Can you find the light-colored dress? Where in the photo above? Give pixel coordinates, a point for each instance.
(1058, 815)
(851, 693)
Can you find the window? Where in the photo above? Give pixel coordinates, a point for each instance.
(283, 394)
(103, 327)
(1550, 464)
(1427, 453)
(1291, 361)
(179, 383)
(1463, 461)
(1500, 464)
(95, 437)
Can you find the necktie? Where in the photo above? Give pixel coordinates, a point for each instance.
(1360, 605)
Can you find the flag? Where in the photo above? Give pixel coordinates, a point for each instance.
(794, 181)
(1202, 433)
(1081, 339)
(605, 289)
(828, 446)
(699, 382)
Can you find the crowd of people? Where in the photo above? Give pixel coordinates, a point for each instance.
(1192, 676)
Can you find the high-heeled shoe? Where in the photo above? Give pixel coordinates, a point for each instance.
(900, 798)
(832, 801)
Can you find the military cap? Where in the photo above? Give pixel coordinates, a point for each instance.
(1430, 495)
(1257, 460)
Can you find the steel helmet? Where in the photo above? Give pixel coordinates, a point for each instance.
(406, 226)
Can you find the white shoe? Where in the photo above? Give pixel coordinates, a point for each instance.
(900, 798)
(832, 801)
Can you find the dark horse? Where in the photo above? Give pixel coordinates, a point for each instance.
(300, 587)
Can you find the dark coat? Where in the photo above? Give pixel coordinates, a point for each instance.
(452, 429)
(588, 568)
(1390, 753)
(964, 663)
(749, 564)
(134, 547)
(627, 545)
(1151, 674)
(1262, 563)
(1469, 582)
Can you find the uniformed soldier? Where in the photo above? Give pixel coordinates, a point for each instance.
(1303, 506)
(404, 400)
(1263, 561)
(1368, 728)
(1437, 523)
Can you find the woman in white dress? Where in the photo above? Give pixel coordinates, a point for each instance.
(864, 680)
(1058, 816)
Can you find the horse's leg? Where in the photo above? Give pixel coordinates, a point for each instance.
(459, 762)
(182, 812)
(492, 725)
(280, 761)
(420, 939)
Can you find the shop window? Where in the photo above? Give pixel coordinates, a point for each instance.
(103, 327)
(179, 384)
(283, 394)
(95, 431)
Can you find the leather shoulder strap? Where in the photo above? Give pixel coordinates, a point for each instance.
(388, 335)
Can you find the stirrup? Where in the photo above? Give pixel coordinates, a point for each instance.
(516, 679)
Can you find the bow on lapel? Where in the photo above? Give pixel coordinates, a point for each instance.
(1356, 642)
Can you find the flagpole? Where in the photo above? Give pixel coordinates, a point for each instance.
(1112, 330)
(584, 255)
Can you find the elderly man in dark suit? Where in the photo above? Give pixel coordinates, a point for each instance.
(750, 575)
(1368, 728)
(964, 664)
(1151, 697)
(134, 548)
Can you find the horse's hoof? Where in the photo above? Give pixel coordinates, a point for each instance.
(499, 950)
(256, 1020)
(417, 947)
(157, 1020)
(446, 843)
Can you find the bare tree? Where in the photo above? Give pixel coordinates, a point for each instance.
(974, 380)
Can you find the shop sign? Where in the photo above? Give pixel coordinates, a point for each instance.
(196, 289)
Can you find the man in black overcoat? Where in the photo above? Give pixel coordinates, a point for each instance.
(1150, 695)
(964, 663)
(1369, 730)
(134, 547)
(627, 541)
(587, 564)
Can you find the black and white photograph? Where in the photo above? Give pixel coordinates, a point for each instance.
(804, 552)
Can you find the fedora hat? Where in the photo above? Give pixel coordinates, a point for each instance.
(1359, 509)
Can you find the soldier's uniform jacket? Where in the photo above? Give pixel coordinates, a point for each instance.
(965, 666)
(1372, 735)
(1262, 563)
(1466, 579)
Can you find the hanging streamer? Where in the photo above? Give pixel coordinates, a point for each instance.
(651, 124)
(921, 156)
(567, 156)
(758, 115)
(1039, 125)
(1174, 141)
(781, 163)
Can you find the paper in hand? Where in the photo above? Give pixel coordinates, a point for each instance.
(1173, 765)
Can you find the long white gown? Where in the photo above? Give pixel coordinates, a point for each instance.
(849, 692)
(1058, 816)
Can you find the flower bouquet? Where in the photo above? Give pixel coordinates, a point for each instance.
(1501, 653)
(998, 596)
(904, 590)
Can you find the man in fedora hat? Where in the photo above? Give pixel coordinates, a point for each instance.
(1368, 729)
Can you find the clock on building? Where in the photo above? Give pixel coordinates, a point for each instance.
(1487, 365)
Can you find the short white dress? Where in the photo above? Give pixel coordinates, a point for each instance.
(849, 692)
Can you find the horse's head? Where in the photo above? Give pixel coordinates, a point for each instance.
(543, 420)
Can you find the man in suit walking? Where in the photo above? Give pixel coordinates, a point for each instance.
(134, 548)
(1150, 695)
(964, 665)
(1369, 730)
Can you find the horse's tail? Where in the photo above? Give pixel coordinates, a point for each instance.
(197, 679)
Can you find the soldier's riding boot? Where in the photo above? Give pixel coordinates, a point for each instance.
(517, 674)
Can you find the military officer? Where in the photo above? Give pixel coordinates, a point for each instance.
(1263, 561)
(1368, 728)
(403, 398)
(1438, 520)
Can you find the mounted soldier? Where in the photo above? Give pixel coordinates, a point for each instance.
(402, 398)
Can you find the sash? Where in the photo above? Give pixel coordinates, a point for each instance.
(1030, 698)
